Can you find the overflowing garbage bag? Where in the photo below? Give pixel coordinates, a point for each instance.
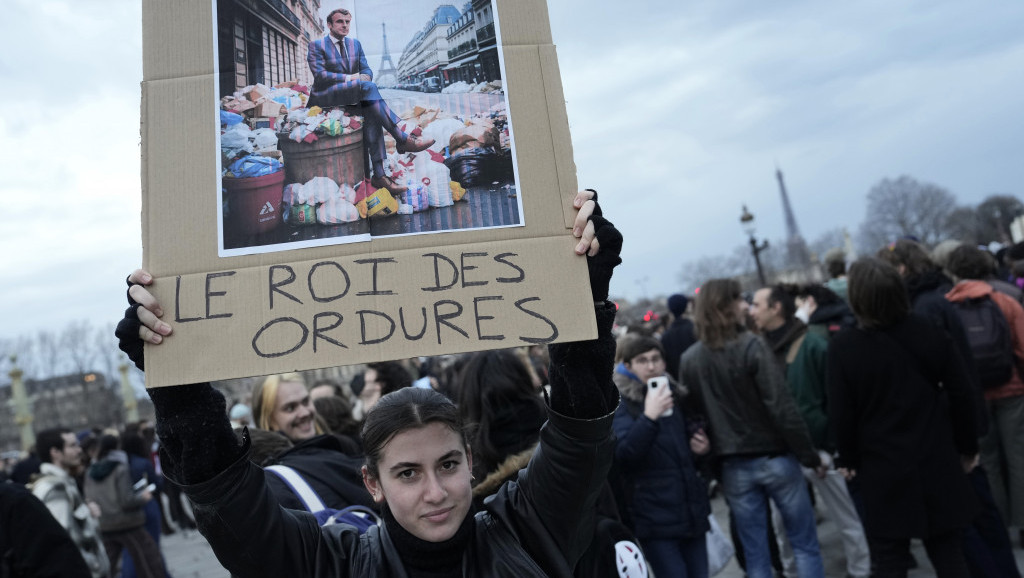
(255, 166)
(473, 167)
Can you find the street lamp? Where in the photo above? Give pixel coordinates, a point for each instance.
(747, 221)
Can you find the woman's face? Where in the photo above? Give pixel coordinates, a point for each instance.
(293, 415)
(426, 481)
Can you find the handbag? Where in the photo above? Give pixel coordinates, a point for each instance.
(720, 548)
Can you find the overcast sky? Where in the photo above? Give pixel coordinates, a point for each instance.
(679, 114)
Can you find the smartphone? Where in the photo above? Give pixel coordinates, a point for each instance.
(656, 382)
(143, 485)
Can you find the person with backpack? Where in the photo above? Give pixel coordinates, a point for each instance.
(986, 543)
(994, 324)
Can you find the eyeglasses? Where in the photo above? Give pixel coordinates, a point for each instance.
(650, 360)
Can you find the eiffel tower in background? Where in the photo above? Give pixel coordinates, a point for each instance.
(797, 254)
(387, 75)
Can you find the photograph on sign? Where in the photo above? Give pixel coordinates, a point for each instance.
(357, 120)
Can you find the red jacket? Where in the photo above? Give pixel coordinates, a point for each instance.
(1014, 314)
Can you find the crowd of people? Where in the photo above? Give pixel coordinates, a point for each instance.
(889, 398)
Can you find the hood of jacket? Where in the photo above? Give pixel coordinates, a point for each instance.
(837, 312)
(631, 388)
(505, 471)
(103, 468)
(969, 290)
(928, 282)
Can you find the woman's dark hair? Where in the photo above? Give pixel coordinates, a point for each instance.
(878, 295)
(391, 375)
(493, 382)
(337, 414)
(715, 315)
(640, 345)
(134, 445)
(107, 444)
(969, 262)
(405, 409)
(822, 295)
(911, 254)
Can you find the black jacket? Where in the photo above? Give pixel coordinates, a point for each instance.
(334, 475)
(900, 430)
(743, 393)
(676, 340)
(32, 543)
(928, 299)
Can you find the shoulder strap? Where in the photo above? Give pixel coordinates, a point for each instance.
(794, 348)
(299, 485)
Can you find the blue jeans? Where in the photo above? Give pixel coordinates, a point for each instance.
(677, 558)
(747, 484)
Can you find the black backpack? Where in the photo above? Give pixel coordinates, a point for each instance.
(988, 334)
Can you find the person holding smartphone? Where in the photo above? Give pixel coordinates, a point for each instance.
(658, 439)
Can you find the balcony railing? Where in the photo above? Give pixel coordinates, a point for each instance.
(285, 12)
(485, 33)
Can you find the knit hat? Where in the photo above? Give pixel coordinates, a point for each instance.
(677, 304)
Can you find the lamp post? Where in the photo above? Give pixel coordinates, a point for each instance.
(747, 221)
(22, 406)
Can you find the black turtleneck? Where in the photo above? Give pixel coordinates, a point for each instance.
(423, 559)
(780, 337)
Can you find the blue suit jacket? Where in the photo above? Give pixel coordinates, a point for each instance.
(329, 68)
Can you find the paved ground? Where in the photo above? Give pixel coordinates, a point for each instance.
(189, 555)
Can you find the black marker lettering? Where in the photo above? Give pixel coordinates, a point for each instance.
(209, 278)
(375, 262)
(275, 286)
(537, 340)
(502, 259)
(362, 327)
(177, 304)
(437, 273)
(319, 332)
(442, 319)
(301, 342)
(465, 268)
(479, 318)
(312, 291)
(401, 319)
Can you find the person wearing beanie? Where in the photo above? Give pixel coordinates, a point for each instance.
(679, 336)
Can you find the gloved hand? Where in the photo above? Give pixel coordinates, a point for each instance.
(601, 265)
(127, 333)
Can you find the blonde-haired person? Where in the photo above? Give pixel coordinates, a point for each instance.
(281, 403)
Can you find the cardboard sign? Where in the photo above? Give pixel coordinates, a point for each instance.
(274, 249)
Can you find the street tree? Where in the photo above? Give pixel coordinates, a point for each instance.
(905, 207)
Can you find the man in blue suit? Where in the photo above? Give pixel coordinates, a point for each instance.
(341, 77)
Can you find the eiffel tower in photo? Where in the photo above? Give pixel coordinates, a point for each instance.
(386, 75)
(797, 254)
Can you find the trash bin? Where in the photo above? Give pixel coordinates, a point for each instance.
(339, 158)
(254, 203)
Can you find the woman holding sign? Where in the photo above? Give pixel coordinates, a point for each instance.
(418, 465)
